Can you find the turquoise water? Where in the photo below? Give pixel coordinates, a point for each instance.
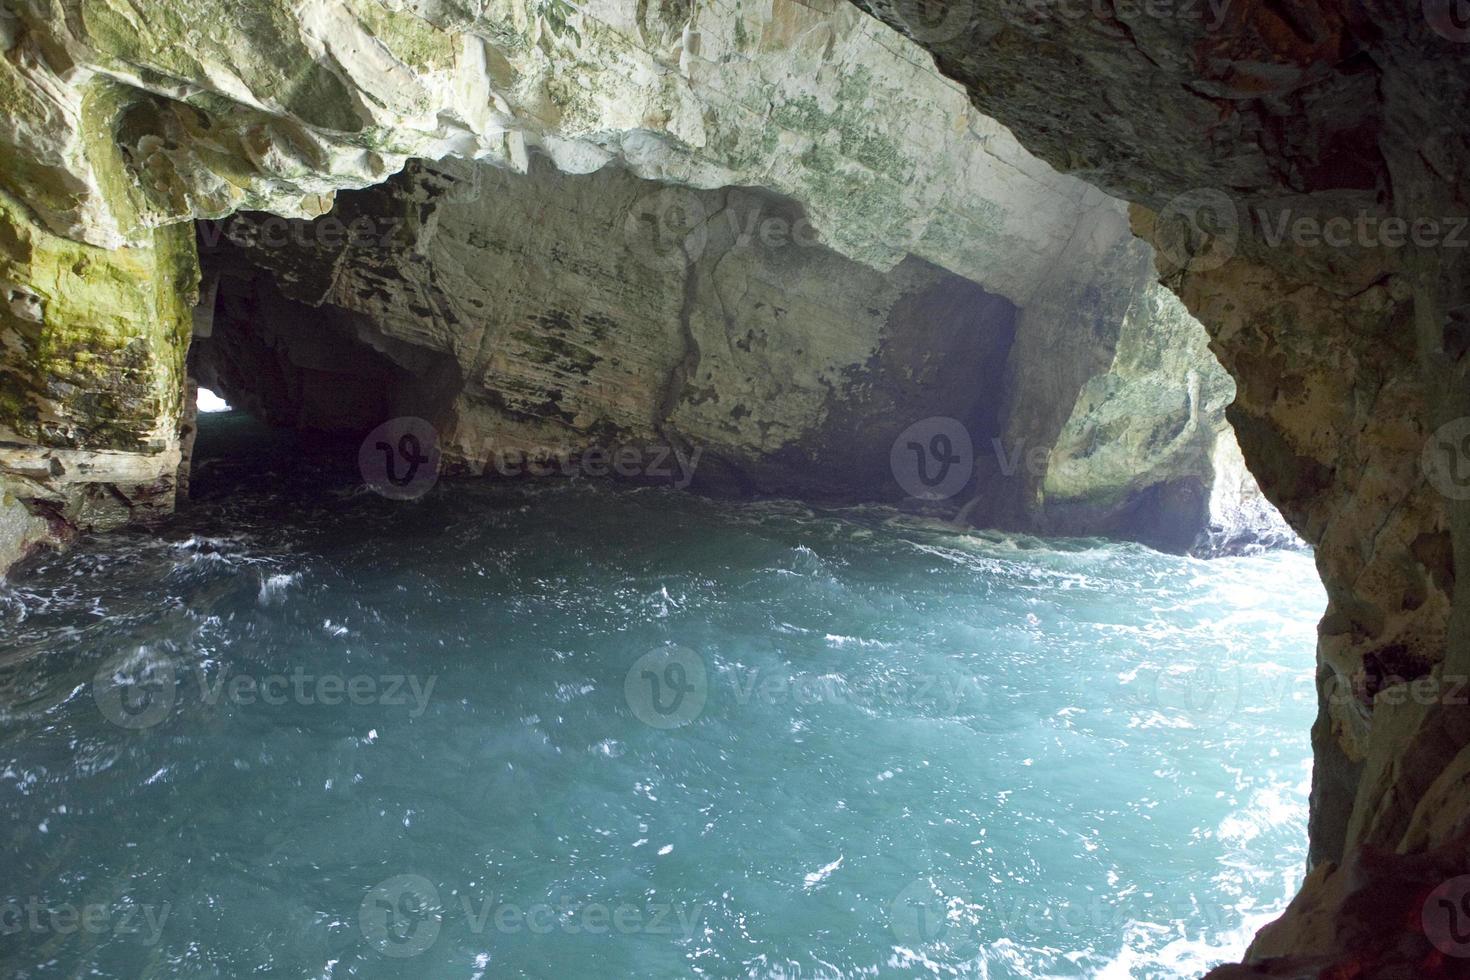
(570, 730)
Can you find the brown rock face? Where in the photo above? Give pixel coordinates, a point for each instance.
(1301, 169)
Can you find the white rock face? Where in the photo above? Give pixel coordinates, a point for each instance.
(276, 107)
(551, 323)
(1240, 515)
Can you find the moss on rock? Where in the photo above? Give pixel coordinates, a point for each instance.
(93, 339)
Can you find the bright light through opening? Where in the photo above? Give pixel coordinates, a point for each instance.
(210, 402)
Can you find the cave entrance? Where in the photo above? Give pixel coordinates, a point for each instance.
(207, 402)
(542, 316)
(547, 317)
(1067, 708)
(300, 381)
(291, 364)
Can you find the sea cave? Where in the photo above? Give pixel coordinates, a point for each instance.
(522, 488)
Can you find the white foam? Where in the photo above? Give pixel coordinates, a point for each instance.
(273, 587)
(815, 878)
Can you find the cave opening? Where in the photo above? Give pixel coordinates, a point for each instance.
(890, 657)
(788, 507)
(209, 402)
(335, 326)
(537, 317)
(662, 486)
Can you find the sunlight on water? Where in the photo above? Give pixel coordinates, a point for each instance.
(577, 731)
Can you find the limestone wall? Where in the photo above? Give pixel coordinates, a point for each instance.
(129, 118)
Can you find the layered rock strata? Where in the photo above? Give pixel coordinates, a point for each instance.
(552, 314)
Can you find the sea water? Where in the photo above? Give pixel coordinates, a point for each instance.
(564, 729)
